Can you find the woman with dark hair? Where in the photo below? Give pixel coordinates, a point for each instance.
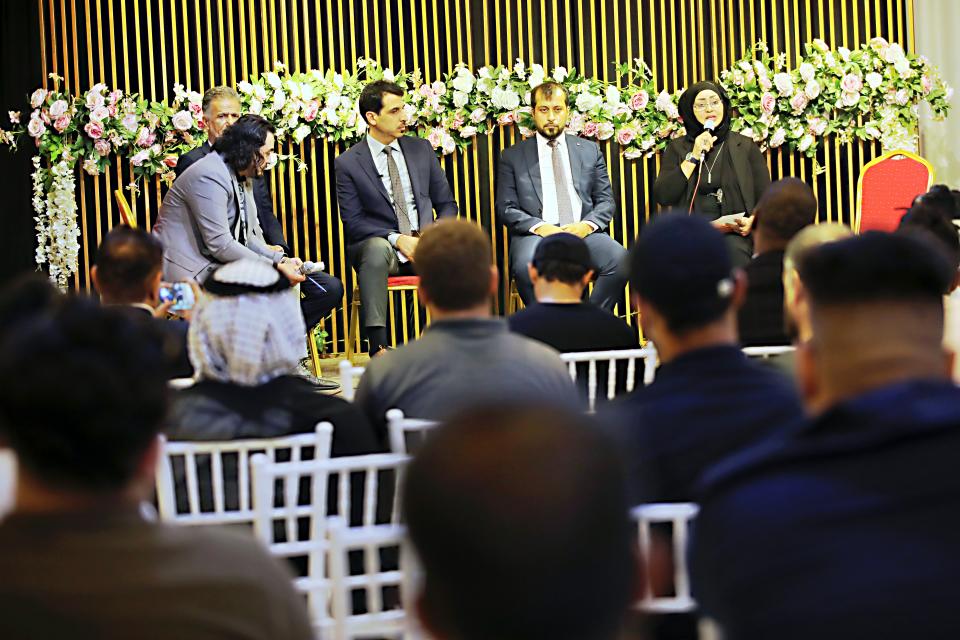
(712, 170)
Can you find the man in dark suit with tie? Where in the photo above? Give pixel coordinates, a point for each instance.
(221, 108)
(388, 187)
(555, 182)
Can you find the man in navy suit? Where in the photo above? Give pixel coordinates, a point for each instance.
(221, 108)
(552, 183)
(388, 187)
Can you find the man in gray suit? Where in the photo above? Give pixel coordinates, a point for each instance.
(209, 216)
(388, 187)
(554, 183)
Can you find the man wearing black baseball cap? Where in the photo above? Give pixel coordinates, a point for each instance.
(708, 400)
(560, 272)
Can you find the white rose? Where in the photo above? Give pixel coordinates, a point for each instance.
(807, 71)
(94, 99)
(505, 99)
(99, 113)
(58, 108)
(330, 115)
(586, 102)
(665, 103)
(182, 120)
(902, 97)
(485, 73)
(468, 131)
(902, 65)
(37, 98)
(519, 69)
(347, 103)
(463, 81)
(244, 87)
(35, 127)
(893, 53)
(300, 133)
(90, 166)
(761, 70)
(844, 53)
(260, 93)
(559, 74)
(783, 83)
(537, 75)
(605, 130)
(448, 145)
(388, 75)
(873, 79)
(460, 99)
(872, 131)
(849, 98)
(745, 65)
(812, 89)
(613, 95)
(279, 99)
(778, 138)
(256, 106)
(805, 142)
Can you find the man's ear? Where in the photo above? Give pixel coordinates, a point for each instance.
(739, 288)
(154, 287)
(494, 280)
(587, 277)
(95, 278)
(533, 273)
(807, 379)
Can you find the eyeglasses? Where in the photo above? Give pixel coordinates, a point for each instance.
(704, 105)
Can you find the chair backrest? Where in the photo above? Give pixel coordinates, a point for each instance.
(400, 428)
(349, 375)
(212, 479)
(627, 358)
(887, 186)
(126, 213)
(764, 353)
(388, 567)
(678, 515)
(293, 501)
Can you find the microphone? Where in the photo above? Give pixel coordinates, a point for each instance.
(311, 267)
(709, 125)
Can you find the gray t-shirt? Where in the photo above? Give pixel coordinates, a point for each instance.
(457, 364)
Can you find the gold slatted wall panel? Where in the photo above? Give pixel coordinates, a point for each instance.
(149, 45)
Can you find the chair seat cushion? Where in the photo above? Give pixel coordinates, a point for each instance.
(403, 281)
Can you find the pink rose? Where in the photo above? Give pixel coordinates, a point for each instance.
(170, 161)
(99, 114)
(457, 122)
(61, 123)
(851, 83)
(434, 138)
(130, 122)
(94, 129)
(36, 128)
(196, 110)
(799, 102)
(59, 108)
(507, 118)
(140, 157)
(311, 110)
(115, 96)
(146, 138)
(102, 147)
(37, 98)
(902, 97)
(639, 100)
(625, 137)
(768, 102)
(112, 110)
(590, 129)
(926, 83)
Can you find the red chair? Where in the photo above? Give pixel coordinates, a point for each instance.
(394, 283)
(886, 188)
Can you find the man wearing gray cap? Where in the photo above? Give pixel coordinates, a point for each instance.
(708, 400)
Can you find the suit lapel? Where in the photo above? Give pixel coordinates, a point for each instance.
(574, 151)
(531, 153)
(365, 159)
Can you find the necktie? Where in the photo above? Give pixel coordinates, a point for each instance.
(399, 203)
(564, 208)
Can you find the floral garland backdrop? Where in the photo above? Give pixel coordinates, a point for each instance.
(871, 93)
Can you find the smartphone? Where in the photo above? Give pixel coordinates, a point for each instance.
(180, 293)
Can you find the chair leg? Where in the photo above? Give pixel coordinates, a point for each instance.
(354, 330)
(314, 354)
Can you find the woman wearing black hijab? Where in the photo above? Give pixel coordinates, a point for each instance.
(728, 167)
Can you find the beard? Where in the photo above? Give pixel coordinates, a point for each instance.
(549, 131)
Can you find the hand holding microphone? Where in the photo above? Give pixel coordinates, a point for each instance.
(704, 142)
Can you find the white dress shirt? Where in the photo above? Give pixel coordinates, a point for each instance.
(550, 213)
(380, 161)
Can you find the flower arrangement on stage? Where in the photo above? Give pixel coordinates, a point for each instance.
(871, 93)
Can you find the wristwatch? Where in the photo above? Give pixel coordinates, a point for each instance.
(691, 158)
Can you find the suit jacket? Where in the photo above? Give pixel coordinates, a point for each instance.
(365, 206)
(673, 189)
(519, 200)
(195, 223)
(272, 229)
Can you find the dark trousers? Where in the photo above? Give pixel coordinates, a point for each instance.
(375, 259)
(607, 255)
(320, 294)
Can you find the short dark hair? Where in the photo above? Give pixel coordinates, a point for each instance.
(82, 395)
(24, 298)
(521, 511)
(934, 220)
(546, 89)
(371, 98)
(216, 93)
(942, 198)
(240, 143)
(785, 208)
(126, 259)
(561, 271)
(453, 262)
(875, 267)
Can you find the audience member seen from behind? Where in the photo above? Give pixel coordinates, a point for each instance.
(246, 340)
(127, 274)
(465, 357)
(784, 209)
(708, 400)
(935, 222)
(519, 518)
(846, 529)
(77, 558)
(796, 311)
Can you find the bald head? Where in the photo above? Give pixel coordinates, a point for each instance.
(519, 516)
